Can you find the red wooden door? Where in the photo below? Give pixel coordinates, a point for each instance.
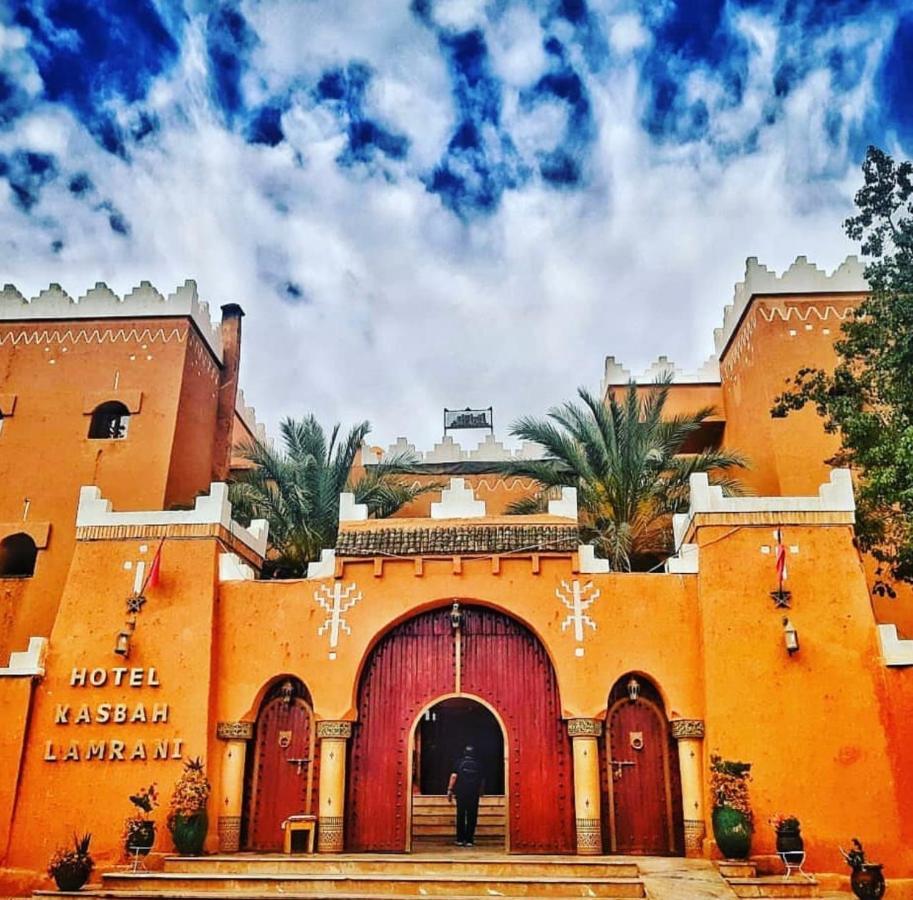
(502, 663)
(641, 792)
(280, 788)
(505, 664)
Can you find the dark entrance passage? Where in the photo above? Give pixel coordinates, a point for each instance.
(444, 731)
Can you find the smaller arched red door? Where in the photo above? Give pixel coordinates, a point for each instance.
(641, 770)
(282, 768)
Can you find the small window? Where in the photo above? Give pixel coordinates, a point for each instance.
(17, 556)
(1, 421)
(109, 421)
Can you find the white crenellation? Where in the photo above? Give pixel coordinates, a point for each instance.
(458, 502)
(325, 568)
(566, 505)
(248, 415)
(685, 562)
(27, 663)
(834, 496)
(100, 302)
(213, 508)
(449, 451)
(233, 568)
(589, 563)
(350, 511)
(617, 375)
(802, 277)
(895, 651)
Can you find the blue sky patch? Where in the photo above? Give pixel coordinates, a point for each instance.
(27, 173)
(230, 40)
(91, 55)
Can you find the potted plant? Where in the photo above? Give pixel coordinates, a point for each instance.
(139, 829)
(187, 819)
(732, 819)
(70, 868)
(867, 879)
(789, 836)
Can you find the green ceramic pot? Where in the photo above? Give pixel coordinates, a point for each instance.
(189, 833)
(71, 878)
(732, 831)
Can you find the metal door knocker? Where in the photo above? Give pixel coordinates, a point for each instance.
(285, 739)
(637, 740)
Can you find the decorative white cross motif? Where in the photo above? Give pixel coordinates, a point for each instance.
(574, 597)
(336, 600)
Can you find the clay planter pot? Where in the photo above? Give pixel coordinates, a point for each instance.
(789, 840)
(142, 838)
(189, 833)
(732, 832)
(72, 878)
(868, 882)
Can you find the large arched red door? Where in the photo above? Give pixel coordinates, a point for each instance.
(502, 663)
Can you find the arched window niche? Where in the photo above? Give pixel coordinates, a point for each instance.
(17, 556)
(110, 421)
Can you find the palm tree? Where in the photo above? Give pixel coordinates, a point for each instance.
(626, 461)
(297, 489)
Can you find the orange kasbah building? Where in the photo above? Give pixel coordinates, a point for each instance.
(596, 698)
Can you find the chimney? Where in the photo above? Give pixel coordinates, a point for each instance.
(228, 390)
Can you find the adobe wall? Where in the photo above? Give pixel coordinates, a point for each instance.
(637, 618)
(777, 337)
(816, 725)
(58, 372)
(102, 726)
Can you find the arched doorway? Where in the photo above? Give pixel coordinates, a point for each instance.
(644, 797)
(442, 733)
(491, 657)
(282, 770)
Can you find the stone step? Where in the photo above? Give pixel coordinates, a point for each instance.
(736, 868)
(448, 828)
(103, 894)
(432, 799)
(130, 884)
(458, 862)
(774, 886)
(430, 814)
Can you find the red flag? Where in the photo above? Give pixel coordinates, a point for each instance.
(780, 558)
(152, 579)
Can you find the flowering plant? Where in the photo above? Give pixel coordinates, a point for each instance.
(72, 860)
(145, 799)
(781, 822)
(729, 784)
(191, 791)
(855, 858)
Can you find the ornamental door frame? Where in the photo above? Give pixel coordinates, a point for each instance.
(410, 756)
(608, 754)
(250, 795)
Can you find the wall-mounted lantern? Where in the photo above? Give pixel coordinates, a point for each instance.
(122, 642)
(456, 615)
(633, 688)
(790, 637)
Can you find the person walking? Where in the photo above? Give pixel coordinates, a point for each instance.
(466, 785)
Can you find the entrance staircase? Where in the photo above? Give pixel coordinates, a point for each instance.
(460, 875)
(434, 822)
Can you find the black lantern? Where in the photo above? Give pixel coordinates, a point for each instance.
(456, 616)
(633, 688)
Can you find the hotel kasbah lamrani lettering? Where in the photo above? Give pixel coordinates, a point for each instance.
(130, 712)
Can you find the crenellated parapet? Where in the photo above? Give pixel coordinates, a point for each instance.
(616, 375)
(248, 415)
(449, 451)
(802, 277)
(100, 302)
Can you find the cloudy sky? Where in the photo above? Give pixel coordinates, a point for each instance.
(429, 203)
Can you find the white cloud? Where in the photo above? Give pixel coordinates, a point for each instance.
(406, 309)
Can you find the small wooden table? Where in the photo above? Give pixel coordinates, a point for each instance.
(294, 824)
